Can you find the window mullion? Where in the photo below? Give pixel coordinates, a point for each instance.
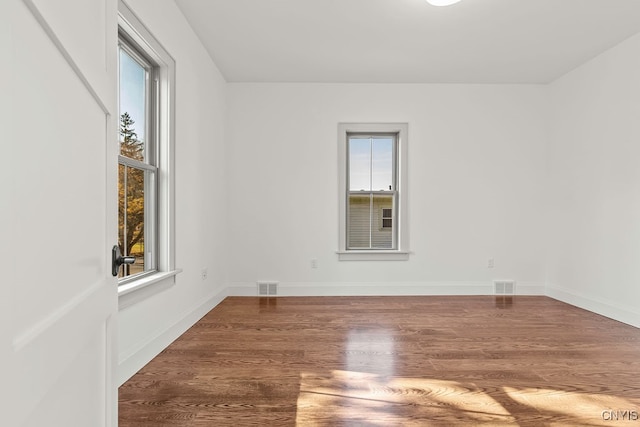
(370, 192)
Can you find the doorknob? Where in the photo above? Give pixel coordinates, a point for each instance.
(117, 260)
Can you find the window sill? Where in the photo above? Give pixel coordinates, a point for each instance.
(373, 255)
(138, 290)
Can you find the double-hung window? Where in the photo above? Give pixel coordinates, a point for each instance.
(137, 160)
(373, 200)
(146, 74)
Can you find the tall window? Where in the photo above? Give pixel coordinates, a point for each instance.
(373, 214)
(145, 160)
(137, 160)
(372, 191)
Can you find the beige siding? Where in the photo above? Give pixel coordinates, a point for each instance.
(359, 222)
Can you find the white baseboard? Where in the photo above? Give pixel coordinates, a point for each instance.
(605, 308)
(382, 288)
(146, 351)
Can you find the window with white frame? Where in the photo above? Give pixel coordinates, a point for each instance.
(137, 160)
(373, 181)
(146, 74)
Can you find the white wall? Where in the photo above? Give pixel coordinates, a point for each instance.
(476, 186)
(594, 176)
(201, 221)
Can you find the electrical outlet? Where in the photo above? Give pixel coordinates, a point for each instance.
(205, 273)
(490, 263)
(314, 263)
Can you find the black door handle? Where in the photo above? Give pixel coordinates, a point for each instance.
(117, 260)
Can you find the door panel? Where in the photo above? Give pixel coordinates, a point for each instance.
(63, 218)
(62, 169)
(85, 30)
(52, 365)
(6, 196)
(85, 365)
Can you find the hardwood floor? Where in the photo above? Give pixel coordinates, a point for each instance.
(386, 361)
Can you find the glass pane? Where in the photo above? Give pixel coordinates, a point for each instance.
(359, 164)
(382, 227)
(387, 218)
(131, 217)
(133, 96)
(382, 163)
(359, 224)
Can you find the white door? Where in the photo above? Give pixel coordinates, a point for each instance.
(59, 220)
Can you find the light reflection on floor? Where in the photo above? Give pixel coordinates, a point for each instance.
(343, 396)
(371, 350)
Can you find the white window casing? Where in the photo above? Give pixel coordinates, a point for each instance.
(396, 245)
(161, 128)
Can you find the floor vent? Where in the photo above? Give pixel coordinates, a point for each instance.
(504, 287)
(267, 288)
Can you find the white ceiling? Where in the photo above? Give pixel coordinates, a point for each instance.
(407, 41)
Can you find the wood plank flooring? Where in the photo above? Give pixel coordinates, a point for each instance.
(392, 361)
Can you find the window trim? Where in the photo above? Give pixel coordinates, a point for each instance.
(402, 226)
(131, 29)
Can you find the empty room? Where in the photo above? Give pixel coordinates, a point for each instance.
(307, 212)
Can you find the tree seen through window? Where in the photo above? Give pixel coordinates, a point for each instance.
(131, 203)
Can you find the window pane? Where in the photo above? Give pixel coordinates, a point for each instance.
(387, 220)
(131, 217)
(382, 229)
(133, 105)
(359, 226)
(371, 219)
(382, 163)
(359, 164)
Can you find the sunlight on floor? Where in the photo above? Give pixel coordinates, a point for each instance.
(343, 396)
(579, 406)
